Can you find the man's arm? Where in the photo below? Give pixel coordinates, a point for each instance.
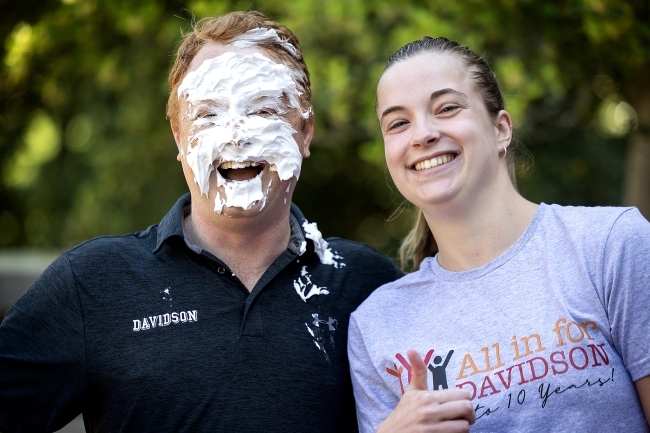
(42, 358)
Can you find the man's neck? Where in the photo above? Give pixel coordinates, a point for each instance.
(248, 245)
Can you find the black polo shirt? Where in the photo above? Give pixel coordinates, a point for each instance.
(145, 333)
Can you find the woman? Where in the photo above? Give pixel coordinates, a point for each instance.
(528, 317)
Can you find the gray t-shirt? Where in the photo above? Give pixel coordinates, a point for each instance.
(550, 336)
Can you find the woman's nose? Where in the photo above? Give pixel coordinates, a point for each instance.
(424, 132)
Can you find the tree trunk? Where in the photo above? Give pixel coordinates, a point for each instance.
(637, 174)
(637, 170)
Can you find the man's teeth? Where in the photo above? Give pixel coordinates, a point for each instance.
(234, 164)
(434, 162)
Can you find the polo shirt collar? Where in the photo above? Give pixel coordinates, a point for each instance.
(297, 242)
(172, 225)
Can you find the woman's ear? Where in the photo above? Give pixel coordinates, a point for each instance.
(503, 123)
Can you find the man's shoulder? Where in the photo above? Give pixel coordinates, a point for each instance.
(357, 251)
(362, 263)
(352, 251)
(103, 248)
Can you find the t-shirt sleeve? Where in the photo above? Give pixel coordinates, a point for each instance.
(627, 290)
(374, 402)
(42, 363)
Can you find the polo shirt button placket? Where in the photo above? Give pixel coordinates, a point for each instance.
(221, 270)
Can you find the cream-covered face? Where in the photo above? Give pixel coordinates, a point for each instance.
(439, 140)
(241, 133)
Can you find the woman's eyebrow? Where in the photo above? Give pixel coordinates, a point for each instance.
(390, 110)
(441, 92)
(434, 96)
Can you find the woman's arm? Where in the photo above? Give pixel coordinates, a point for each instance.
(643, 388)
(627, 295)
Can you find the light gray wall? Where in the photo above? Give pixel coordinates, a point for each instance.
(18, 270)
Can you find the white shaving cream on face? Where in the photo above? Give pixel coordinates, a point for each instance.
(263, 36)
(256, 37)
(236, 103)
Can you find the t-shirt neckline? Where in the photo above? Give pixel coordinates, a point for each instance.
(475, 273)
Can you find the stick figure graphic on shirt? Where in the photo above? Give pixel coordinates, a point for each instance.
(439, 373)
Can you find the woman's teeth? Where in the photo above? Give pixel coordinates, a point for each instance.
(434, 162)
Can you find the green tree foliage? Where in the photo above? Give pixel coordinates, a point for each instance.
(85, 148)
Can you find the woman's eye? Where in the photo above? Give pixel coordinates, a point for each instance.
(207, 114)
(396, 125)
(448, 109)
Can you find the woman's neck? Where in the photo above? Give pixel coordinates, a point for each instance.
(478, 231)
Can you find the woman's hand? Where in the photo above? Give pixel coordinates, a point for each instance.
(421, 410)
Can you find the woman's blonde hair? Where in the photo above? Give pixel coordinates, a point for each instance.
(418, 244)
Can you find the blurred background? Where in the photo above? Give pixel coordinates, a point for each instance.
(85, 148)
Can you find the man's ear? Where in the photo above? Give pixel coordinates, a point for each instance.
(177, 138)
(307, 134)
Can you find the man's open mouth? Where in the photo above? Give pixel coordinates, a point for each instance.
(246, 170)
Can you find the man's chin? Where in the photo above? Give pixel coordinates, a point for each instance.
(273, 201)
(255, 209)
(246, 198)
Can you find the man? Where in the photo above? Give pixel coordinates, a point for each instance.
(232, 313)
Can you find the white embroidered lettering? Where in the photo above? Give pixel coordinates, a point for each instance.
(166, 319)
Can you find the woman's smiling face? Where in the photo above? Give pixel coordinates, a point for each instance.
(440, 142)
